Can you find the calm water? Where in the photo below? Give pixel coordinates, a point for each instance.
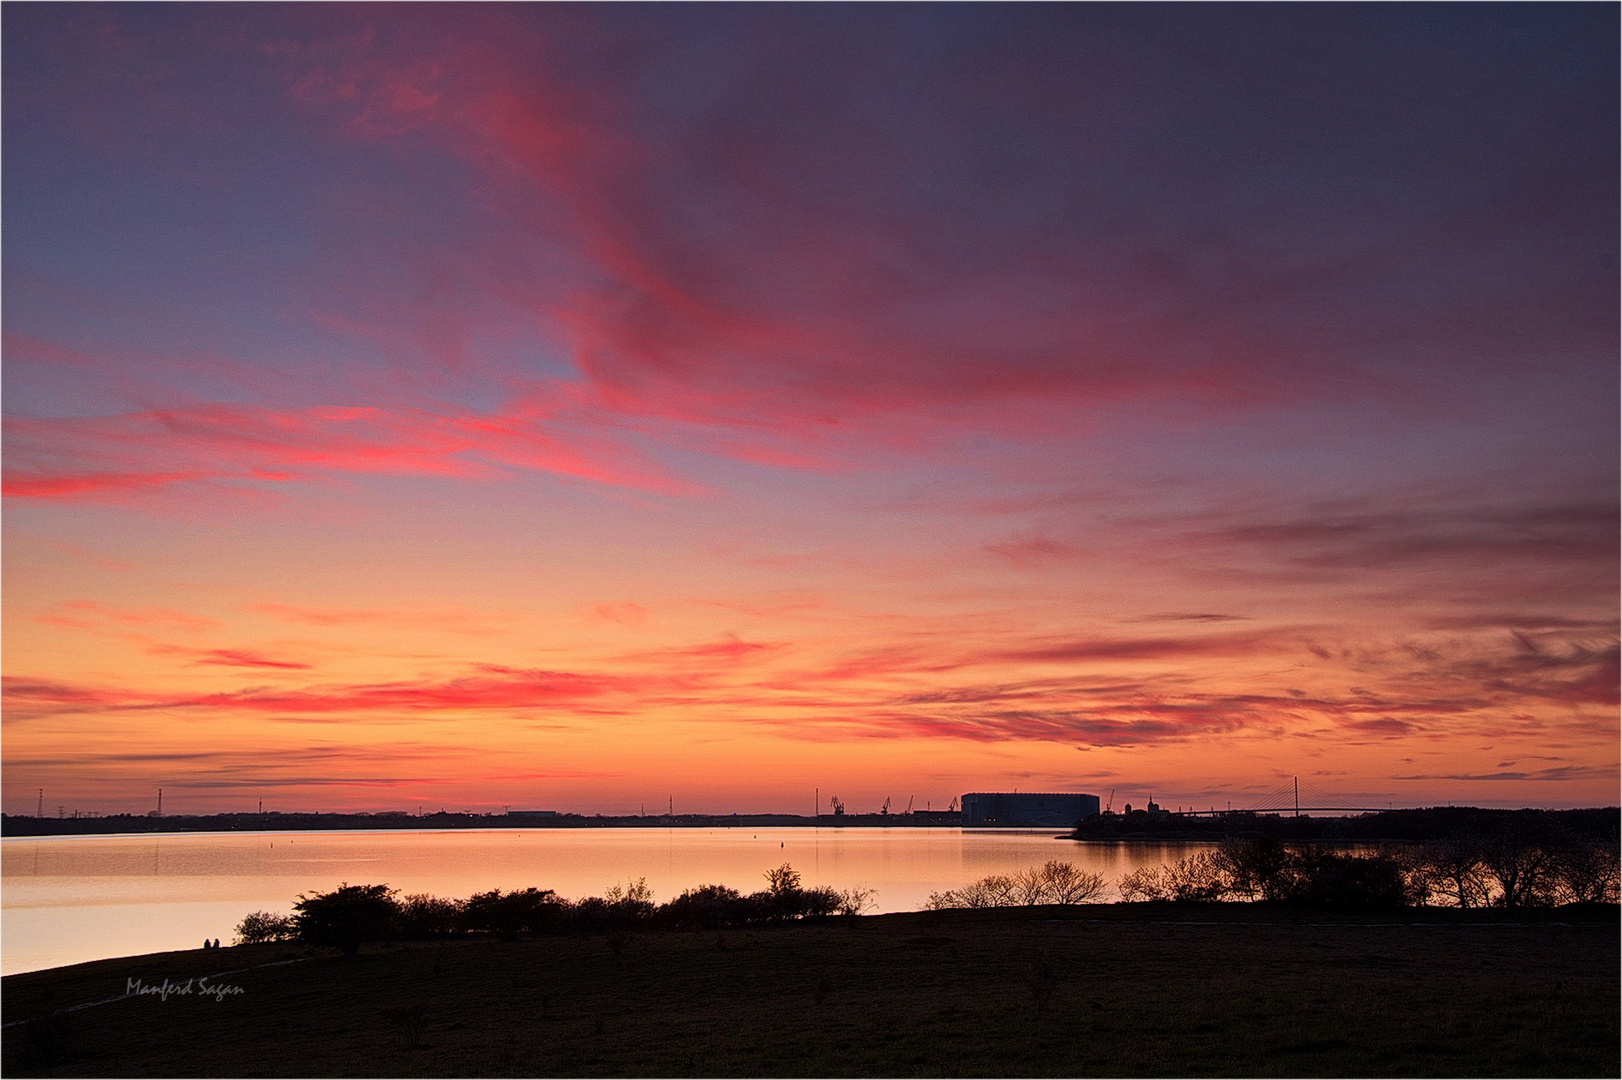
(69, 899)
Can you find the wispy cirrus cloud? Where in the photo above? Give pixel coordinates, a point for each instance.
(238, 658)
(730, 648)
(492, 687)
(452, 620)
(91, 614)
(1558, 773)
(1581, 536)
(73, 457)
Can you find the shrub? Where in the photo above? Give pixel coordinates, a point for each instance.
(817, 902)
(856, 899)
(1586, 873)
(709, 907)
(1197, 877)
(347, 916)
(507, 914)
(1254, 868)
(783, 882)
(257, 927)
(784, 898)
(623, 907)
(993, 890)
(1144, 883)
(425, 916)
(1338, 880)
(1054, 882)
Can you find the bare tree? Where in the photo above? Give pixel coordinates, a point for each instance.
(1054, 882)
(1587, 873)
(1520, 867)
(856, 899)
(1452, 868)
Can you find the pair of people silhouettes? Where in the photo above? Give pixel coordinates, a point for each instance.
(207, 944)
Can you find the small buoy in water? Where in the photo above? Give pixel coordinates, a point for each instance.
(780, 843)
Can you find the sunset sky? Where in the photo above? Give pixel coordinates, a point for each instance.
(587, 407)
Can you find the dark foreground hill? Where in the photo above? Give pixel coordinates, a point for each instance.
(1120, 990)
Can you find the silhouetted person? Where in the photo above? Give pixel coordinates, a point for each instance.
(216, 943)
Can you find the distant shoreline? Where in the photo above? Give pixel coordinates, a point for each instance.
(1598, 823)
(130, 824)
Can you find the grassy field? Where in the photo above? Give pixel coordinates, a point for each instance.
(1140, 990)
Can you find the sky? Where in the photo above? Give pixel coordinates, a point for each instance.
(611, 407)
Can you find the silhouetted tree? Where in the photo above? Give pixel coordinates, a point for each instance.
(1519, 865)
(1451, 868)
(507, 914)
(1587, 872)
(783, 881)
(1053, 882)
(257, 927)
(1255, 868)
(1335, 879)
(785, 898)
(347, 916)
(425, 916)
(993, 890)
(856, 899)
(1197, 877)
(708, 907)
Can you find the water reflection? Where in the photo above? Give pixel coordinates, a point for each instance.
(68, 899)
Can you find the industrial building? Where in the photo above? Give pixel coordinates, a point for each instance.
(1032, 810)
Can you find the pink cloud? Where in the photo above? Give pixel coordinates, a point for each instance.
(624, 613)
(1034, 552)
(241, 658)
(71, 458)
(494, 687)
(452, 620)
(729, 648)
(151, 616)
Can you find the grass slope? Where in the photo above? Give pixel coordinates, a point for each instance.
(1140, 990)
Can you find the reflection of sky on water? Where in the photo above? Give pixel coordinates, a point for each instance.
(70, 899)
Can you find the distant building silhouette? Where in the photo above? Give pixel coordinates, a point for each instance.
(1033, 810)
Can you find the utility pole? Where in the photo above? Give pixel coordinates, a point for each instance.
(160, 802)
(41, 811)
(816, 804)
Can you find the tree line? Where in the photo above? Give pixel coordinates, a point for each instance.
(1508, 869)
(352, 915)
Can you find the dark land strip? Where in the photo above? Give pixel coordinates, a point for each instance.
(1103, 990)
(1411, 825)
